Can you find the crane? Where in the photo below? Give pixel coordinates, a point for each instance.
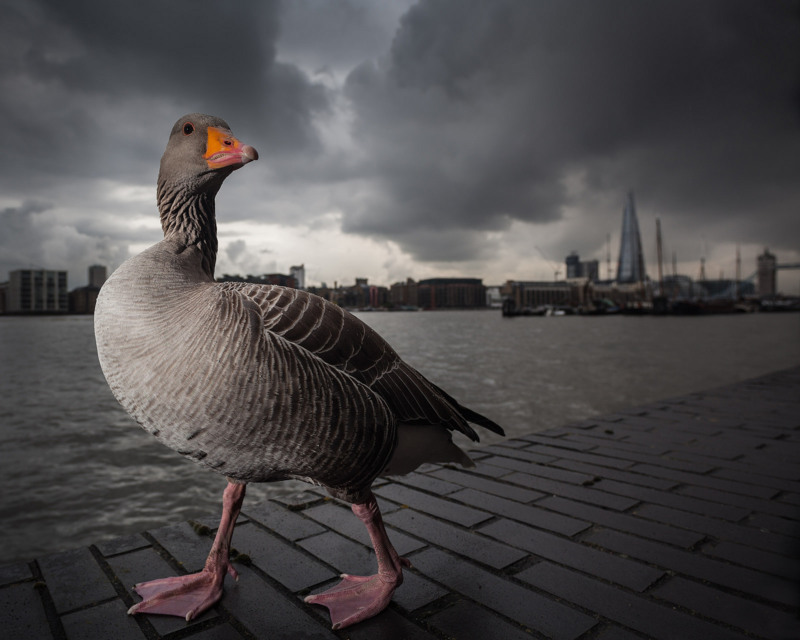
(556, 270)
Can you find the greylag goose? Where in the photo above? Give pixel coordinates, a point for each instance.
(260, 383)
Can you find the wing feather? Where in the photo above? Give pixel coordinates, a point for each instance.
(343, 341)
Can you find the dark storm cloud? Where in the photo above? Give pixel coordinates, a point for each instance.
(91, 89)
(464, 119)
(516, 110)
(89, 76)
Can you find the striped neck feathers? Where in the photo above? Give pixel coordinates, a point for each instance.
(189, 219)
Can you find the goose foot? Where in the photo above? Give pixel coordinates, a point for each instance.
(357, 598)
(184, 596)
(189, 596)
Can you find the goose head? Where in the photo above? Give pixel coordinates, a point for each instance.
(201, 152)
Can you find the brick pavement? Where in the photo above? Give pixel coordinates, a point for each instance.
(679, 519)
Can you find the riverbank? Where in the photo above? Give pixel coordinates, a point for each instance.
(680, 518)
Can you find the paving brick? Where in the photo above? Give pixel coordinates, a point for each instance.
(342, 520)
(571, 442)
(188, 547)
(14, 573)
(623, 522)
(650, 446)
(663, 461)
(615, 462)
(614, 474)
(623, 571)
(585, 494)
(706, 481)
(467, 620)
(528, 514)
(508, 464)
(704, 568)
(444, 509)
(22, 613)
(727, 512)
(790, 498)
(417, 592)
(542, 615)
(483, 468)
(775, 524)
(289, 524)
(388, 625)
(552, 472)
(774, 475)
(467, 543)
(108, 620)
(720, 529)
(122, 544)
(667, 437)
(745, 502)
(527, 455)
(267, 613)
(220, 632)
(427, 482)
(74, 579)
(613, 632)
(744, 613)
(519, 443)
(303, 499)
(284, 562)
(653, 620)
(341, 553)
(502, 489)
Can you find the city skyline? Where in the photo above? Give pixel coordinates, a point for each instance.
(402, 139)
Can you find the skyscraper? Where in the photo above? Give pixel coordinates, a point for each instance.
(299, 274)
(97, 275)
(766, 274)
(37, 290)
(630, 268)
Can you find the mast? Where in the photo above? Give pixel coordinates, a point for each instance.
(658, 251)
(675, 288)
(738, 272)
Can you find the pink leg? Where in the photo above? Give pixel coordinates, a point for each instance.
(189, 596)
(357, 598)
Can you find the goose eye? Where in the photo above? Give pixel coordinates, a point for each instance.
(188, 129)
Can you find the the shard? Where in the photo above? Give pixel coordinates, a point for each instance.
(630, 268)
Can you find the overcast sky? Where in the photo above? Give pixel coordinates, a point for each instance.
(398, 138)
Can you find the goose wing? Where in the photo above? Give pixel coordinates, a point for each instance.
(343, 341)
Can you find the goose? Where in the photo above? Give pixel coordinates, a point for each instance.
(261, 383)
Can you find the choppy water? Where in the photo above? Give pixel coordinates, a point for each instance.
(76, 470)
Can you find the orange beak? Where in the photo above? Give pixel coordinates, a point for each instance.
(223, 150)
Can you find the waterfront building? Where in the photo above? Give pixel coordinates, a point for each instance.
(83, 299)
(451, 293)
(404, 294)
(279, 279)
(37, 291)
(630, 267)
(767, 281)
(577, 268)
(299, 274)
(536, 294)
(97, 275)
(363, 295)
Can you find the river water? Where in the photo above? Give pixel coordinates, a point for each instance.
(77, 470)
